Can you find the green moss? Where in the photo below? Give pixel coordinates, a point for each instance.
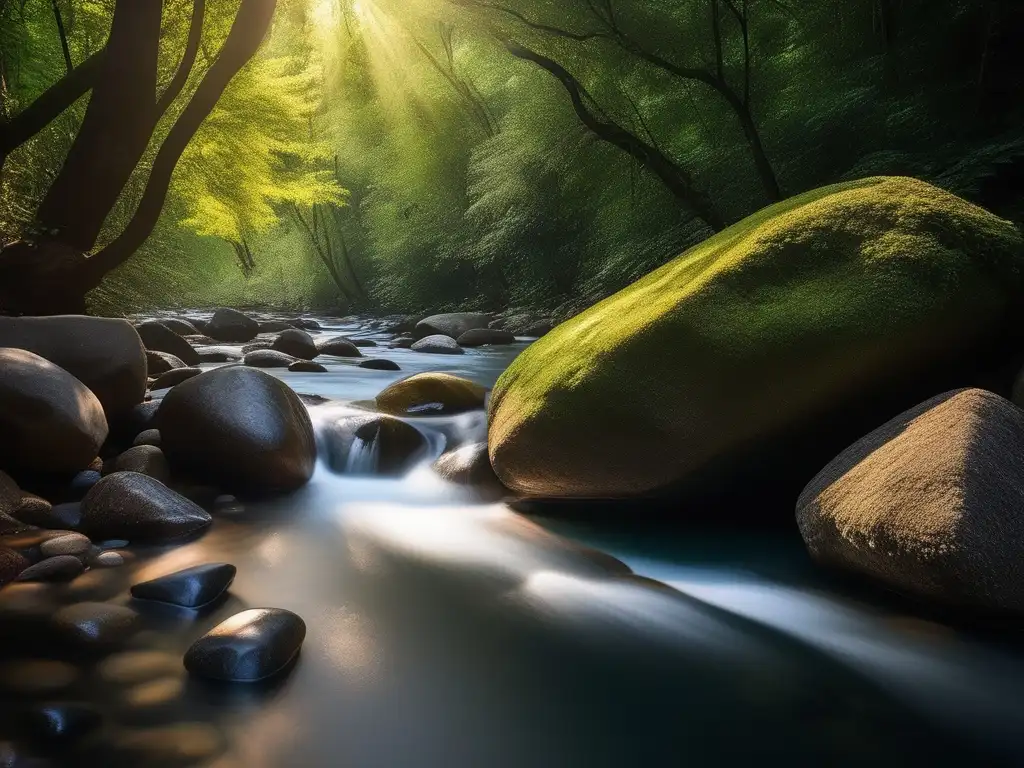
(769, 320)
(451, 393)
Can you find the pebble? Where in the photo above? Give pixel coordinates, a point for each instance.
(59, 568)
(82, 482)
(250, 646)
(147, 437)
(107, 560)
(68, 544)
(58, 723)
(95, 625)
(189, 588)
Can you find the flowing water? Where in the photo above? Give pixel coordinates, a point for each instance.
(445, 630)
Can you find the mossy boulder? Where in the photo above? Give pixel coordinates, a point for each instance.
(799, 325)
(428, 394)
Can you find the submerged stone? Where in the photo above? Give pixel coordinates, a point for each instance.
(248, 647)
(190, 588)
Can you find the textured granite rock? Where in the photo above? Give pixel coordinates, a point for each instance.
(59, 568)
(138, 507)
(144, 459)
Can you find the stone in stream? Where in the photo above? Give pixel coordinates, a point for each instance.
(144, 459)
(295, 343)
(250, 646)
(12, 563)
(431, 394)
(190, 588)
(201, 341)
(57, 723)
(306, 366)
(65, 544)
(267, 445)
(183, 328)
(232, 326)
(374, 444)
(338, 346)
(109, 559)
(49, 420)
(402, 342)
(58, 568)
(929, 504)
(148, 437)
(91, 626)
(217, 356)
(172, 378)
(918, 283)
(478, 337)
(252, 346)
(267, 358)
(106, 355)
(275, 326)
(81, 483)
(453, 324)
(437, 345)
(468, 465)
(380, 364)
(158, 363)
(305, 324)
(159, 338)
(41, 514)
(363, 342)
(138, 507)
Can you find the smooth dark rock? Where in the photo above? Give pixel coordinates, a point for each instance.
(144, 459)
(59, 568)
(275, 326)
(250, 646)
(338, 346)
(178, 375)
(478, 337)
(190, 588)
(453, 324)
(268, 358)
(295, 343)
(12, 563)
(181, 327)
(380, 364)
(468, 465)
(232, 326)
(148, 437)
(138, 507)
(106, 355)
(88, 625)
(305, 323)
(240, 426)
(158, 363)
(216, 356)
(393, 445)
(40, 513)
(139, 419)
(58, 723)
(306, 366)
(364, 342)
(159, 338)
(65, 544)
(81, 483)
(49, 421)
(437, 345)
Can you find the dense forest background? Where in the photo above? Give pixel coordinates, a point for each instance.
(408, 155)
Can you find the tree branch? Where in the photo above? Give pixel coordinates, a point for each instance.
(188, 58)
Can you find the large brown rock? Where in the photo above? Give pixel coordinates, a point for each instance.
(931, 504)
(49, 421)
(105, 354)
(239, 427)
(159, 338)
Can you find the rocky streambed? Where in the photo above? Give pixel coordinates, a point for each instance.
(304, 567)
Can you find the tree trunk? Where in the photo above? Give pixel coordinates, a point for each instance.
(68, 64)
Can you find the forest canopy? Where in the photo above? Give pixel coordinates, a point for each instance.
(409, 155)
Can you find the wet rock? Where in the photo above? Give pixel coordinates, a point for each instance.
(217, 356)
(200, 340)
(65, 544)
(159, 363)
(402, 342)
(437, 345)
(107, 560)
(58, 723)
(138, 419)
(37, 676)
(179, 326)
(267, 445)
(250, 646)
(81, 483)
(339, 346)
(306, 366)
(364, 342)
(95, 626)
(144, 459)
(373, 444)
(66, 516)
(232, 326)
(148, 437)
(12, 563)
(380, 364)
(268, 358)
(178, 375)
(106, 355)
(275, 326)
(256, 345)
(159, 338)
(190, 588)
(453, 324)
(468, 465)
(929, 504)
(37, 511)
(431, 394)
(138, 507)
(295, 343)
(478, 337)
(52, 569)
(305, 323)
(49, 421)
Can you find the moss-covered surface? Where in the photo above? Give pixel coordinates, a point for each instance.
(775, 318)
(417, 394)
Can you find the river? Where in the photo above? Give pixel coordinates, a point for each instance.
(446, 630)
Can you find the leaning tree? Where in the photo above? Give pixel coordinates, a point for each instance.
(53, 266)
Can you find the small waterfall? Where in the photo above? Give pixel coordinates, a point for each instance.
(363, 456)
